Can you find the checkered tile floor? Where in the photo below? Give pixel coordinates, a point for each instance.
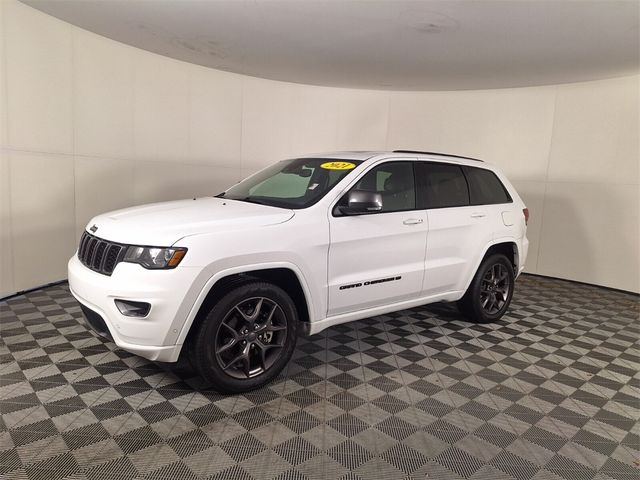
(549, 392)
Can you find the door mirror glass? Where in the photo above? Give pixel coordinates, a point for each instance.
(361, 201)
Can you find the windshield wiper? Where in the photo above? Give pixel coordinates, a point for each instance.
(252, 200)
(255, 200)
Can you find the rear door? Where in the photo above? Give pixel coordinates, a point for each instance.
(458, 231)
(487, 191)
(378, 258)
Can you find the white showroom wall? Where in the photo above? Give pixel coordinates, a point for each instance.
(89, 125)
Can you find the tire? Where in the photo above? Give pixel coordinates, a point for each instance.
(489, 294)
(262, 316)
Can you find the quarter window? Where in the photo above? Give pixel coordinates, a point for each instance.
(485, 188)
(442, 185)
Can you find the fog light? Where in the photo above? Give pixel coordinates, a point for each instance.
(133, 309)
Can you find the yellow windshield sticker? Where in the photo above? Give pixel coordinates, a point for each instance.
(338, 165)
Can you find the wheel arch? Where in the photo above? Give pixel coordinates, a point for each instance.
(286, 276)
(507, 247)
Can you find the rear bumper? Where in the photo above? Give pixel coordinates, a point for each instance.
(523, 251)
(153, 337)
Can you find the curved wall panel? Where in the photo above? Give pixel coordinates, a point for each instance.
(89, 125)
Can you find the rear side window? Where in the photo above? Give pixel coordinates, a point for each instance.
(442, 185)
(485, 188)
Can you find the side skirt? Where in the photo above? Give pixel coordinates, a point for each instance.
(312, 328)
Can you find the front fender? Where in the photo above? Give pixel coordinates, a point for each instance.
(213, 279)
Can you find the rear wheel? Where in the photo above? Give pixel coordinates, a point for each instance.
(246, 339)
(489, 294)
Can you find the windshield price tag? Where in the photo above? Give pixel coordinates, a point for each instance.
(338, 165)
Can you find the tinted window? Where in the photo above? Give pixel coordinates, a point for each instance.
(442, 185)
(485, 188)
(395, 182)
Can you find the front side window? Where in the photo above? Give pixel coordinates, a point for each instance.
(442, 185)
(394, 181)
(297, 183)
(485, 188)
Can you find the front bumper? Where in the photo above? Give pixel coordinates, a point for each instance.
(95, 321)
(153, 337)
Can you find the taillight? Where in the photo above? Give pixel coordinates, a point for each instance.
(525, 211)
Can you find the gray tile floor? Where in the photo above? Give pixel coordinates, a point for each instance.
(549, 392)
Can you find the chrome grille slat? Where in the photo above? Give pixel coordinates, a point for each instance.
(98, 254)
(93, 243)
(111, 258)
(83, 244)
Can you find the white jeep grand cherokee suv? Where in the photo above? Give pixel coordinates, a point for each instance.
(299, 246)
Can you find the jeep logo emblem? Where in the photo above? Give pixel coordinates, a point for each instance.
(93, 229)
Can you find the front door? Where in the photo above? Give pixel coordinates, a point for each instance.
(378, 258)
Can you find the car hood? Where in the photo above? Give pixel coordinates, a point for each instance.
(163, 224)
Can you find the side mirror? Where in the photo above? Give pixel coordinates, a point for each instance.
(360, 202)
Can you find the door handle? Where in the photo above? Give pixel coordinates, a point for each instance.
(478, 215)
(412, 221)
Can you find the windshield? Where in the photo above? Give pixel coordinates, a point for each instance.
(297, 183)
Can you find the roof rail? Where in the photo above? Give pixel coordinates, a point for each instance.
(437, 153)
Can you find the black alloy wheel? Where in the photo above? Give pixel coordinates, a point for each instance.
(490, 292)
(495, 287)
(251, 337)
(246, 338)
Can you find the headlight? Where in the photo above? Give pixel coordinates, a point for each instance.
(155, 257)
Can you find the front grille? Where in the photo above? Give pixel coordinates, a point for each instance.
(100, 255)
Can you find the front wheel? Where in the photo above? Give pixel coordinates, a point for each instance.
(490, 291)
(246, 339)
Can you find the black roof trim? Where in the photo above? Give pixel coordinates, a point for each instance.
(437, 153)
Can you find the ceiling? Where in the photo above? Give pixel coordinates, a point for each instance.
(399, 45)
